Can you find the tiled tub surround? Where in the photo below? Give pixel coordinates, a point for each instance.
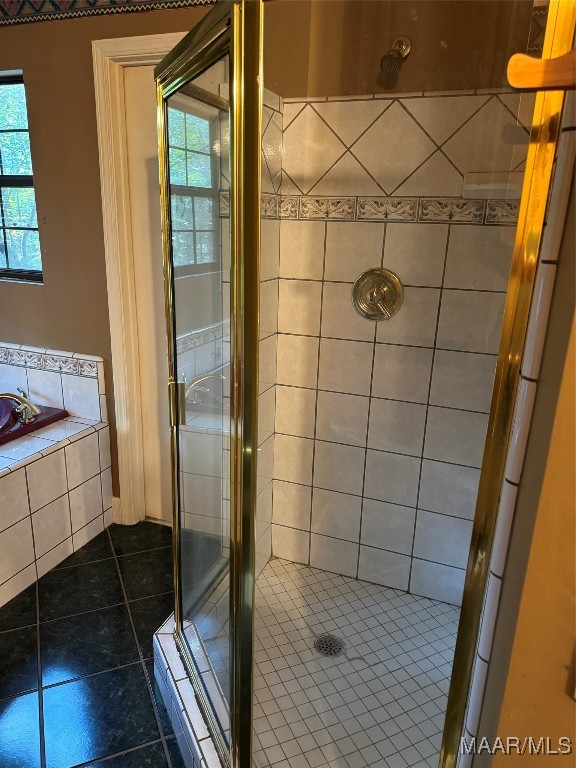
(380, 428)
(56, 484)
(59, 379)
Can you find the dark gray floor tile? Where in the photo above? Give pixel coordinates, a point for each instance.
(18, 662)
(20, 732)
(19, 612)
(129, 539)
(69, 591)
(97, 549)
(148, 615)
(85, 644)
(146, 757)
(101, 715)
(162, 712)
(147, 573)
(175, 754)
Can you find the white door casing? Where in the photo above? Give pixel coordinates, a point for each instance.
(133, 274)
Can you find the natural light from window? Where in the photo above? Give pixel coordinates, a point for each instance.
(19, 241)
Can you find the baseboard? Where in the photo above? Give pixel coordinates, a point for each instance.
(117, 510)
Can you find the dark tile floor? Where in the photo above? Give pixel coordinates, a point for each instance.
(76, 672)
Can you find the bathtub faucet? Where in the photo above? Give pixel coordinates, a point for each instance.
(193, 386)
(24, 409)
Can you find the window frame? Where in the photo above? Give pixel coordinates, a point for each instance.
(23, 182)
(212, 193)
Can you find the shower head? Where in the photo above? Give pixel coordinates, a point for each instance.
(391, 62)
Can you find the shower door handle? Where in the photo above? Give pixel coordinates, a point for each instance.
(542, 74)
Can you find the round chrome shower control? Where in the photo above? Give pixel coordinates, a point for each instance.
(377, 294)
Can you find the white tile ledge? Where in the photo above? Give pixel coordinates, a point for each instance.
(46, 445)
(195, 743)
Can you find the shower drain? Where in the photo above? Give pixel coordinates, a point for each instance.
(329, 645)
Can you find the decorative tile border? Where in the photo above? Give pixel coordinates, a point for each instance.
(387, 209)
(202, 336)
(454, 210)
(334, 208)
(49, 361)
(502, 211)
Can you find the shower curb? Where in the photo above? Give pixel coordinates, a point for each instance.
(194, 740)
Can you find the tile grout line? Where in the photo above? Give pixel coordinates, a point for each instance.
(368, 420)
(317, 390)
(104, 760)
(142, 661)
(42, 740)
(40, 686)
(428, 404)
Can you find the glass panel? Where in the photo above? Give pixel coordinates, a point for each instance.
(15, 157)
(203, 213)
(197, 134)
(374, 431)
(19, 206)
(13, 114)
(177, 165)
(23, 249)
(199, 170)
(202, 328)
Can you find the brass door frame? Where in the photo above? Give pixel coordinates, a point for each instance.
(233, 28)
(548, 106)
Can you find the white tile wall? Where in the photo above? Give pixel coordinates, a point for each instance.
(336, 514)
(342, 418)
(380, 428)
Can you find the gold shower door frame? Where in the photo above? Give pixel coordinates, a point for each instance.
(236, 28)
(559, 37)
(233, 29)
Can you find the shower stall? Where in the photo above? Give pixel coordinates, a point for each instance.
(347, 273)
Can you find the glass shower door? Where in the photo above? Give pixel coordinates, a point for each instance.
(198, 135)
(209, 98)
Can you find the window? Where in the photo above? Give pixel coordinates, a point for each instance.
(19, 242)
(193, 190)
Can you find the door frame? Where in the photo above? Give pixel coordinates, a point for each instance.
(233, 28)
(110, 57)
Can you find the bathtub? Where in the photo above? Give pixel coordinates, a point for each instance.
(11, 428)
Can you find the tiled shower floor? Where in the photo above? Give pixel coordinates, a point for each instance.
(76, 671)
(381, 705)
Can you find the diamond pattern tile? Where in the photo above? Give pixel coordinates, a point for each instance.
(346, 174)
(380, 704)
(470, 151)
(349, 123)
(393, 147)
(310, 149)
(271, 151)
(437, 177)
(441, 116)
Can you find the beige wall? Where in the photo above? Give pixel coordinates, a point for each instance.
(70, 310)
(334, 47)
(536, 689)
